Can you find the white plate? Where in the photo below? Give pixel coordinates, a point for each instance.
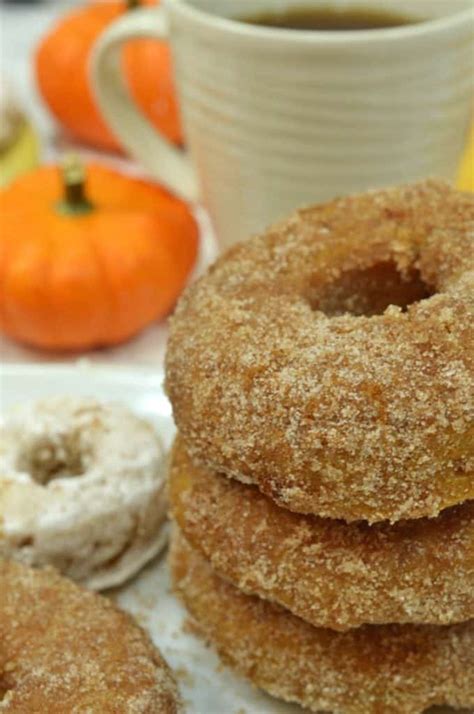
(207, 686)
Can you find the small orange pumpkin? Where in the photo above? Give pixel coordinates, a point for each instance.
(81, 270)
(62, 72)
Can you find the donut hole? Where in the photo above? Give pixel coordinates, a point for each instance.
(370, 291)
(47, 459)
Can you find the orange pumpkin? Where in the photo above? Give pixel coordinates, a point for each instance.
(62, 72)
(81, 270)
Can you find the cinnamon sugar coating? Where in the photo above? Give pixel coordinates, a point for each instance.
(330, 361)
(329, 573)
(64, 649)
(391, 669)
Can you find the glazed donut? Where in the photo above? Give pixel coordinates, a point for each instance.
(329, 573)
(82, 488)
(391, 669)
(64, 649)
(330, 361)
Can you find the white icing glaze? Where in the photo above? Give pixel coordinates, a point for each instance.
(99, 526)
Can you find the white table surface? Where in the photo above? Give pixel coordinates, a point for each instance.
(21, 27)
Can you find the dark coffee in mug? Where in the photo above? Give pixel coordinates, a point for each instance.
(330, 18)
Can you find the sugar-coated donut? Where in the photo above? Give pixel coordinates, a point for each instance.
(330, 361)
(82, 488)
(329, 573)
(64, 649)
(385, 669)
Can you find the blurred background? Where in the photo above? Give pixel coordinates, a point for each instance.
(23, 24)
(48, 112)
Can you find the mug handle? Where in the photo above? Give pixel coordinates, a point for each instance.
(159, 156)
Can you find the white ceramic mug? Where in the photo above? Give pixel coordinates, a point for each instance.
(278, 118)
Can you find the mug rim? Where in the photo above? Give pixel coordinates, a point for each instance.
(239, 29)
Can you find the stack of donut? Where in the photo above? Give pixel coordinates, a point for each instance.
(322, 480)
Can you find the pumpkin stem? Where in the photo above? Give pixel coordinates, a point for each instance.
(75, 201)
(132, 4)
